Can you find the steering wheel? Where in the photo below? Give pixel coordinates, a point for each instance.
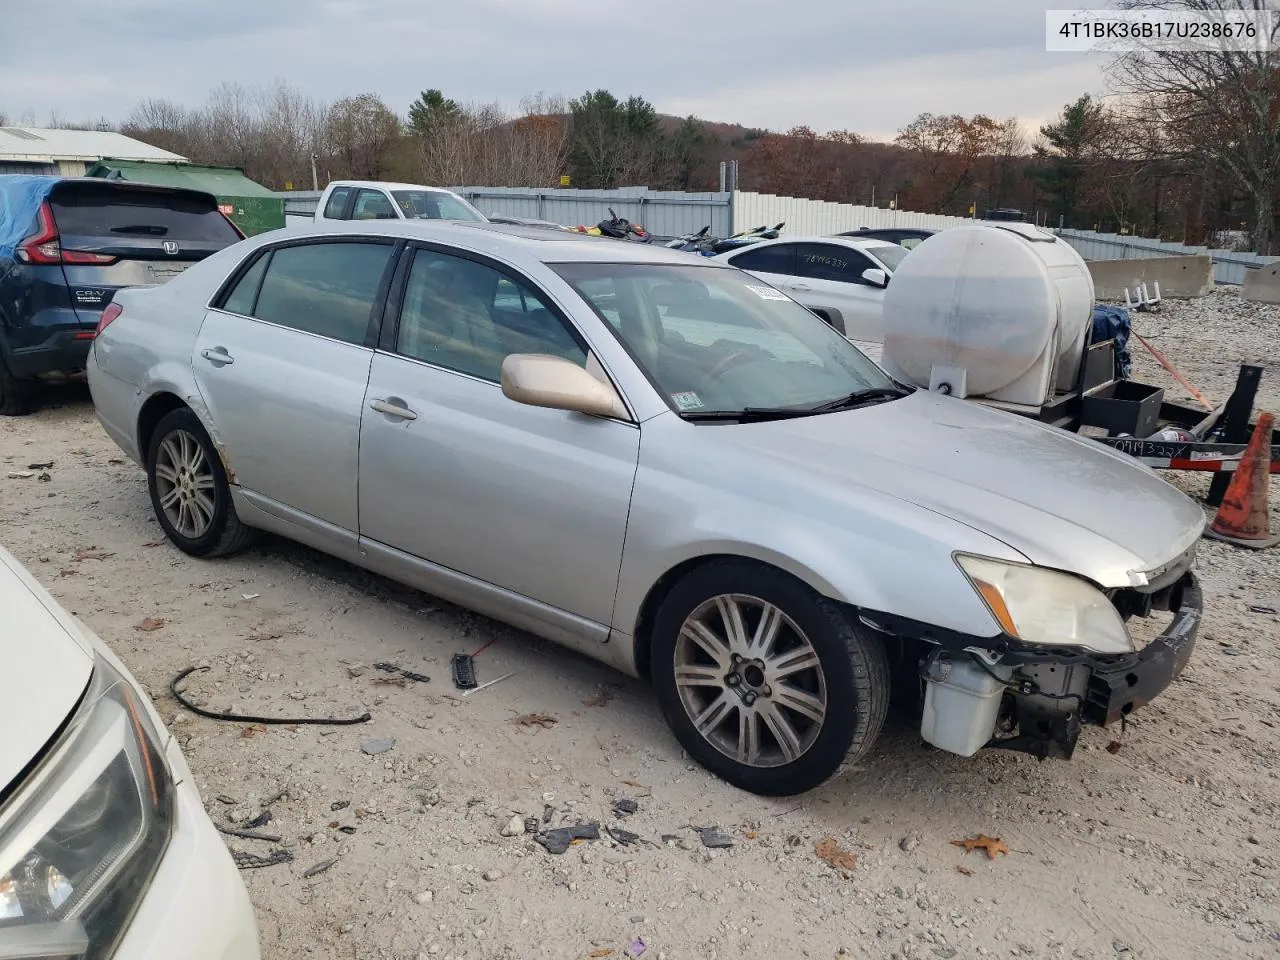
(731, 360)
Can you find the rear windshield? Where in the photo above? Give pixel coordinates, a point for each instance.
(120, 213)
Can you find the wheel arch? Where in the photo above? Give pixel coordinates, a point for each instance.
(662, 587)
(163, 401)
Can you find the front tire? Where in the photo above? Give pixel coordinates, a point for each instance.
(765, 682)
(189, 489)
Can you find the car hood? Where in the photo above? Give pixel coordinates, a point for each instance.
(45, 666)
(1059, 499)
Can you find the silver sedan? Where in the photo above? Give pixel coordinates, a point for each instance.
(664, 463)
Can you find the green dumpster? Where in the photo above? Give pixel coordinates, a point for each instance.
(250, 206)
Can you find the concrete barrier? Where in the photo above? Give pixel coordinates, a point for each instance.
(1189, 276)
(1263, 284)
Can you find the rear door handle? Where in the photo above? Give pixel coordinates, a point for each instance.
(218, 356)
(394, 407)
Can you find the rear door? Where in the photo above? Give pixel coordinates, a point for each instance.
(775, 263)
(282, 361)
(115, 235)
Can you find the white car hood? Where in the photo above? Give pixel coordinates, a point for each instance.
(45, 665)
(1059, 499)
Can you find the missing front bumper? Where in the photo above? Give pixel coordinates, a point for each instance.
(1106, 689)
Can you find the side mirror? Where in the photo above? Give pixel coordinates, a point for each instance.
(875, 277)
(541, 380)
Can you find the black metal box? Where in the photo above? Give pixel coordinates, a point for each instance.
(1123, 407)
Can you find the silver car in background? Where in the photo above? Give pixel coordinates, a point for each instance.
(665, 464)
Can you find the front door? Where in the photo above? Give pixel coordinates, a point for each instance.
(528, 499)
(834, 273)
(282, 362)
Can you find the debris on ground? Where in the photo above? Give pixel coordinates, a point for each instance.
(601, 952)
(261, 820)
(317, 868)
(625, 838)
(546, 721)
(624, 807)
(464, 671)
(249, 861)
(377, 745)
(241, 718)
(836, 857)
(150, 624)
(247, 834)
(637, 947)
(1114, 746)
(515, 827)
(91, 553)
(1259, 608)
(713, 839)
(992, 845)
(20, 475)
(248, 733)
(46, 465)
(909, 842)
(399, 673)
(492, 875)
(558, 839)
(599, 700)
(964, 870)
(339, 805)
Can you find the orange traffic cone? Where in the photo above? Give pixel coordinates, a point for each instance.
(1244, 518)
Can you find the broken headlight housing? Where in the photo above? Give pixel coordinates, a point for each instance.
(1047, 607)
(81, 841)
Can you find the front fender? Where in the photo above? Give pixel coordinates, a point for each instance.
(875, 552)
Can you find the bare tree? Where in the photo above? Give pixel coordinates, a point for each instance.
(359, 132)
(1217, 106)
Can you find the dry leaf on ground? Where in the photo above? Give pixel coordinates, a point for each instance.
(536, 720)
(1113, 746)
(992, 845)
(602, 952)
(91, 553)
(149, 624)
(831, 853)
(154, 543)
(964, 870)
(250, 732)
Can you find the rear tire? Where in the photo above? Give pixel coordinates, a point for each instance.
(17, 396)
(189, 489)
(776, 717)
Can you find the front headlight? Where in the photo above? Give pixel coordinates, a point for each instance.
(79, 847)
(1047, 607)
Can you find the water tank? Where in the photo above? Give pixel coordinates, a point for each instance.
(999, 311)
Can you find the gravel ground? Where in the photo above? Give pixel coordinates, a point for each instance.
(1166, 848)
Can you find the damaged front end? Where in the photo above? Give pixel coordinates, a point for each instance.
(1005, 693)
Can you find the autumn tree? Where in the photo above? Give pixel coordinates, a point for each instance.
(1215, 107)
(359, 131)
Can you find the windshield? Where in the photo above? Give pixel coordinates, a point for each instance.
(890, 254)
(433, 205)
(713, 340)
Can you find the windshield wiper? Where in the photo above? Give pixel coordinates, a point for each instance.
(858, 398)
(749, 414)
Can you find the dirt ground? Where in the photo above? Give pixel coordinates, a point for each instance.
(1167, 848)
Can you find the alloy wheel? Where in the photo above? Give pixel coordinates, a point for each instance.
(750, 680)
(185, 484)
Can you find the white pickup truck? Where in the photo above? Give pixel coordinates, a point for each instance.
(380, 200)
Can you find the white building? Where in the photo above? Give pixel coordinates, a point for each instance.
(69, 153)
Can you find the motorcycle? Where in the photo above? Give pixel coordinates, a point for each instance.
(619, 228)
(708, 246)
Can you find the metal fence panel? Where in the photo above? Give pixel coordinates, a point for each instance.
(664, 213)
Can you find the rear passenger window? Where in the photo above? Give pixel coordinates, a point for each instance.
(373, 205)
(328, 289)
(337, 203)
(242, 297)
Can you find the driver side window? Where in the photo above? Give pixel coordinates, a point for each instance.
(466, 316)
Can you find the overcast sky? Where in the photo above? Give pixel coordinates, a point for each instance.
(865, 65)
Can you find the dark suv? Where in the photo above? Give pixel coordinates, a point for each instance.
(66, 247)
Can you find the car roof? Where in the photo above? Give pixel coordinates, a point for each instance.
(857, 243)
(536, 243)
(387, 185)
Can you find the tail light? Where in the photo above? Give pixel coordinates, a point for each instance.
(113, 310)
(45, 247)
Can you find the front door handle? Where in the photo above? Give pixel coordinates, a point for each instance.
(218, 356)
(394, 407)
(802, 287)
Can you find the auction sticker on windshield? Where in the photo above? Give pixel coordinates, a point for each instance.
(687, 400)
(767, 293)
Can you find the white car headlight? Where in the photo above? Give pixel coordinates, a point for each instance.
(1046, 607)
(80, 844)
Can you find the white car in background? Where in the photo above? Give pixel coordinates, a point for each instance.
(105, 847)
(381, 200)
(839, 278)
